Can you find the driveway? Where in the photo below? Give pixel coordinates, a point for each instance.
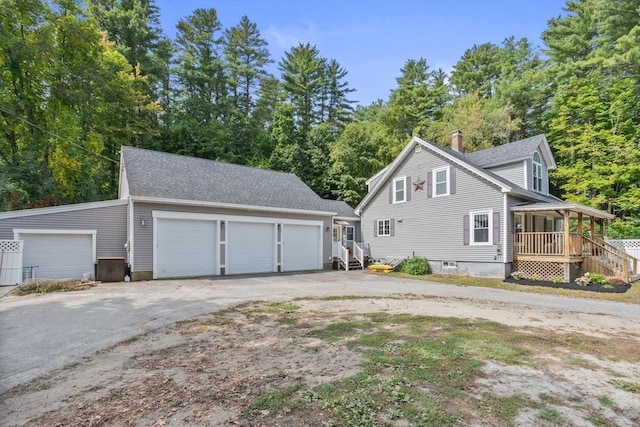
(39, 334)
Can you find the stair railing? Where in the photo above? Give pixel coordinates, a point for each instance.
(358, 253)
(343, 254)
(617, 260)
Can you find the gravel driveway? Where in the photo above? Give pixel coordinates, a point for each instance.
(39, 334)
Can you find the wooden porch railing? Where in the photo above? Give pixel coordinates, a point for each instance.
(546, 244)
(343, 254)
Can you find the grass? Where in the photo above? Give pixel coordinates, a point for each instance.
(631, 296)
(45, 286)
(417, 370)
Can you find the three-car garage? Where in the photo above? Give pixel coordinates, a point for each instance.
(189, 244)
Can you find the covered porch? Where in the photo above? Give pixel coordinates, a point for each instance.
(566, 240)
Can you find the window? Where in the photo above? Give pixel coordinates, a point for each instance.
(384, 227)
(399, 191)
(481, 228)
(441, 184)
(518, 223)
(336, 234)
(537, 172)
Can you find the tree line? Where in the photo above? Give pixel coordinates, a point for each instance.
(81, 79)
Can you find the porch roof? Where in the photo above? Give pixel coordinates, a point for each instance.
(557, 208)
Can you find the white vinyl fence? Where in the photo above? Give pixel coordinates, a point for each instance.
(10, 262)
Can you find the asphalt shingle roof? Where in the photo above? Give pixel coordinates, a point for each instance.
(156, 174)
(514, 151)
(342, 208)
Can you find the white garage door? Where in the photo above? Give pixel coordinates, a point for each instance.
(250, 247)
(301, 247)
(58, 256)
(185, 248)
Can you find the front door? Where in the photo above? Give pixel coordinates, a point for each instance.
(348, 235)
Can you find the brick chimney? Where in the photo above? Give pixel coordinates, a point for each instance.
(456, 141)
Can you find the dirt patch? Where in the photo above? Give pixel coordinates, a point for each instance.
(260, 364)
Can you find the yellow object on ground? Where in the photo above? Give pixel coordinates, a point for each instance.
(380, 267)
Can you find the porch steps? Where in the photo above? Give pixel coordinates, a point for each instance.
(354, 264)
(634, 278)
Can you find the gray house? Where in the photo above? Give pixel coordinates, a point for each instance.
(486, 213)
(180, 216)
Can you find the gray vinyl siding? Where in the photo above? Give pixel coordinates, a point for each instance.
(514, 172)
(143, 235)
(545, 174)
(431, 227)
(110, 222)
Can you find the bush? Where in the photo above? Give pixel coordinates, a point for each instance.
(597, 278)
(416, 266)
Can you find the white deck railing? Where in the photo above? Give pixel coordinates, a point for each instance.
(343, 254)
(358, 253)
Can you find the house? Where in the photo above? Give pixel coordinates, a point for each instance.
(487, 213)
(179, 216)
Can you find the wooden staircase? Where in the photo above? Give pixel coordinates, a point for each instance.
(602, 257)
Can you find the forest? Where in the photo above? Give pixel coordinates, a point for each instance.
(78, 80)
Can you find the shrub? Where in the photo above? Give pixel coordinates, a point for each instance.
(416, 266)
(597, 278)
(517, 275)
(557, 279)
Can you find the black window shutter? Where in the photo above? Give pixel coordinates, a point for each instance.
(496, 227)
(375, 228)
(407, 188)
(452, 180)
(465, 228)
(391, 192)
(392, 227)
(429, 184)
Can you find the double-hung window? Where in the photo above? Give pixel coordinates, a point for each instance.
(384, 227)
(537, 172)
(399, 190)
(441, 181)
(481, 228)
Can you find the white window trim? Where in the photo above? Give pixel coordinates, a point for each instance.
(472, 234)
(449, 265)
(378, 221)
(404, 185)
(536, 167)
(435, 181)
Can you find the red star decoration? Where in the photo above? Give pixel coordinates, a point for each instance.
(419, 184)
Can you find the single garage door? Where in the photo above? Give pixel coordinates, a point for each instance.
(185, 248)
(58, 256)
(301, 247)
(250, 247)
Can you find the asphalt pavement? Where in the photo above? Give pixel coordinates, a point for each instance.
(39, 334)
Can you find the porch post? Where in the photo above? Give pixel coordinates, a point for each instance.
(601, 226)
(580, 223)
(593, 228)
(567, 243)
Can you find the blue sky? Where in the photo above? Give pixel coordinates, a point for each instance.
(372, 39)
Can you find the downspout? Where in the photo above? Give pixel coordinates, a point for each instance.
(505, 230)
(130, 253)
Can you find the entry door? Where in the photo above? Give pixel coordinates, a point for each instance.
(348, 235)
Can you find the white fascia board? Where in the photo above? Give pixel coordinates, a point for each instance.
(231, 206)
(62, 208)
(547, 154)
(380, 172)
(346, 218)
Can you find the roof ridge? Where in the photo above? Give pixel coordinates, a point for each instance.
(185, 156)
